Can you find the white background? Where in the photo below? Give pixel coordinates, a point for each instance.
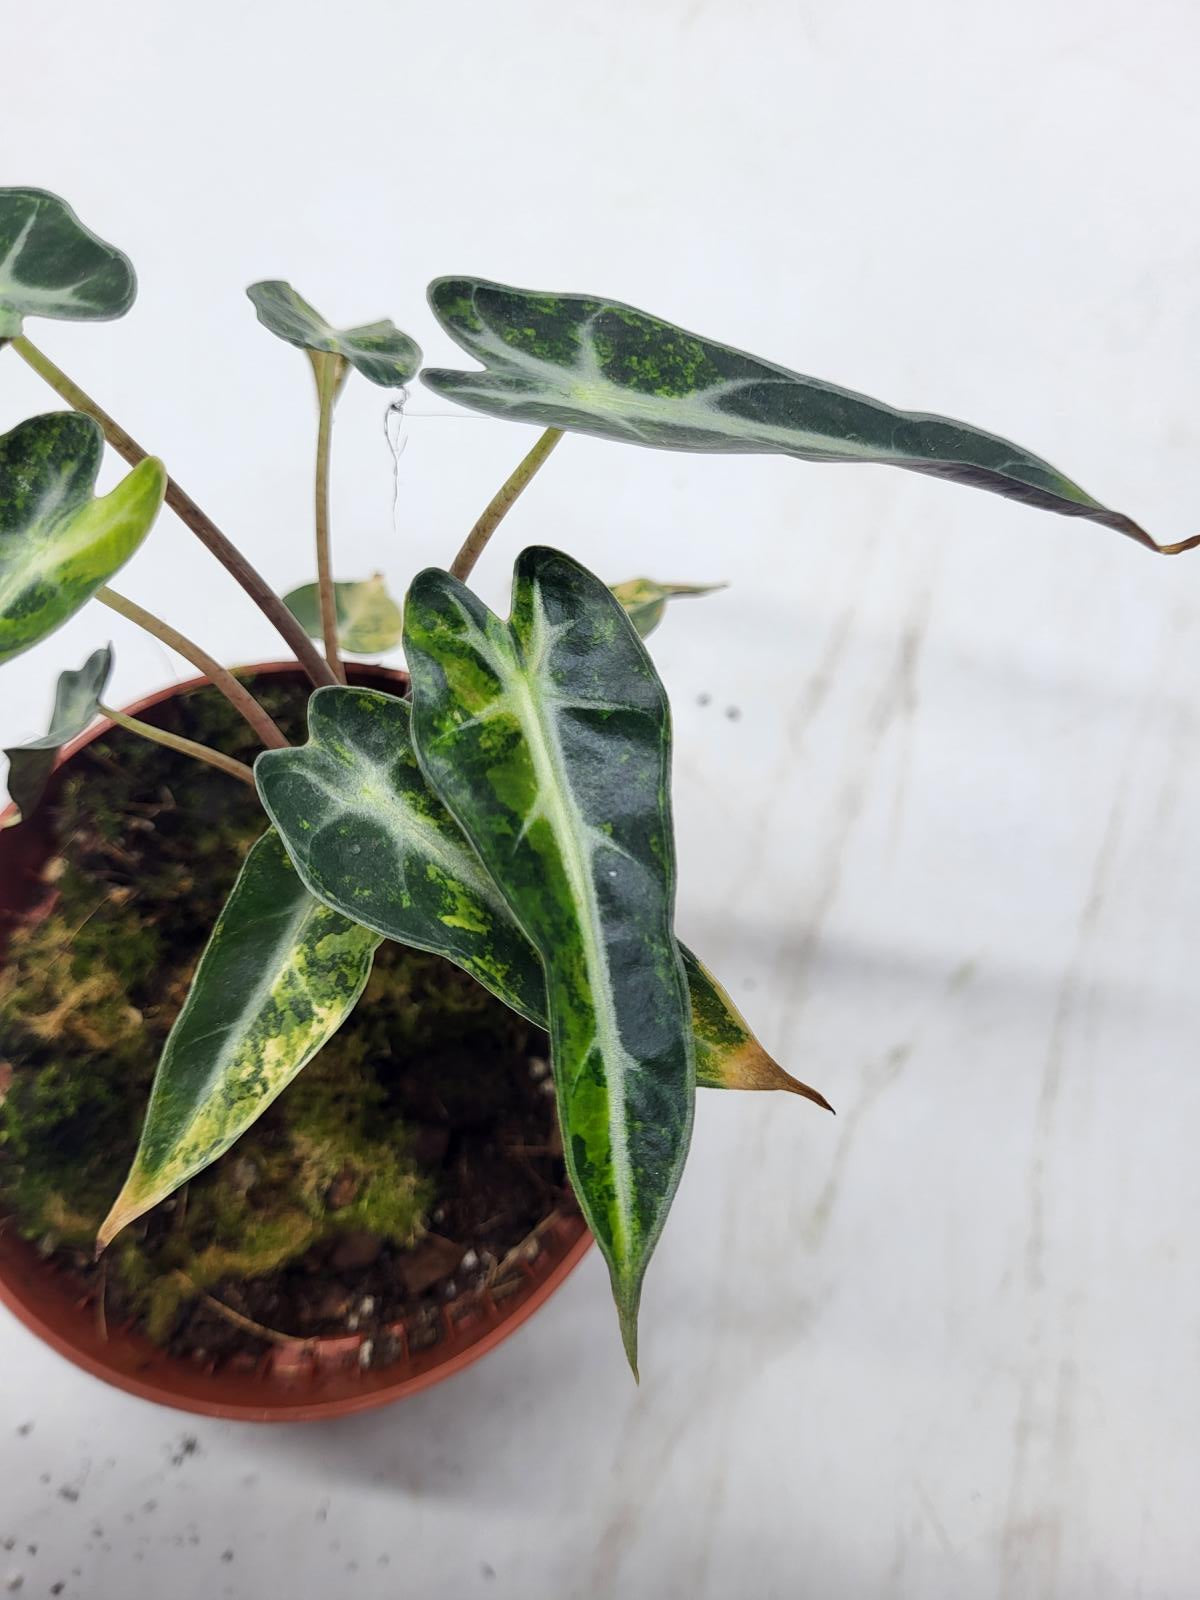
(946, 854)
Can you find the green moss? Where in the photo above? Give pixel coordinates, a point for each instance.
(148, 854)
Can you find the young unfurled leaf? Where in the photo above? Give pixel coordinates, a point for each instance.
(370, 839)
(645, 601)
(58, 543)
(378, 350)
(279, 976)
(548, 738)
(76, 703)
(369, 621)
(600, 367)
(52, 266)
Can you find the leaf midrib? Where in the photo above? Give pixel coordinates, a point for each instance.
(554, 795)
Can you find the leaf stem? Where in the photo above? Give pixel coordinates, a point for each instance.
(499, 505)
(236, 693)
(330, 372)
(188, 512)
(185, 747)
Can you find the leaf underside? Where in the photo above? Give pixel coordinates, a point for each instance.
(600, 367)
(76, 703)
(369, 621)
(58, 543)
(278, 977)
(379, 350)
(370, 839)
(52, 266)
(548, 739)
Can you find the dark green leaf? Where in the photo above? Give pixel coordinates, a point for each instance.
(370, 839)
(52, 266)
(645, 601)
(76, 703)
(368, 620)
(548, 738)
(58, 543)
(279, 976)
(600, 367)
(378, 350)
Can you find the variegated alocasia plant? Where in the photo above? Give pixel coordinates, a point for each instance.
(514, 816)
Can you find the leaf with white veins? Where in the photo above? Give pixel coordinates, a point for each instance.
(370, 839)
(58, 542)
(379, 350)
(548, 738)
(52, 266)
(278, 977)
(76, 703)
(598, 366)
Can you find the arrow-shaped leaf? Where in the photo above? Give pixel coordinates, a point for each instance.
(369, 621)
(645, 601)
(52, 266)
(76, 703)
(600, 367)
(548, 738)
(378, 349)
(279, 976)
(370, 839)
(58, 543)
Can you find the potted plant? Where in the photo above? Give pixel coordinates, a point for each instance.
(437, 911)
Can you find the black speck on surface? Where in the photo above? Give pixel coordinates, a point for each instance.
(44, 1477)
(704, 699)
(25, 1429)
(57, 1588)
(187, 1446)
(733, 712)
(226, 1555)
(31, 1549)
(487, 1569)
(68, 1492)
(150, 1505)
(8, 1543)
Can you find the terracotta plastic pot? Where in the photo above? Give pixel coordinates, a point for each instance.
(297, 1381)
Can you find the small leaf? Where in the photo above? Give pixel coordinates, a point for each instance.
(279, 976)
(368, 620)
(645, 601)
(52, 266)
(600, 367)
(548, 738)
(76, 703)
(370, 839)
(58, 543)
(378, 350)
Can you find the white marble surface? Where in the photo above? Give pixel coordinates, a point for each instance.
(945, 854)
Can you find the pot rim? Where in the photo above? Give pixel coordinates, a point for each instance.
(314, 1379)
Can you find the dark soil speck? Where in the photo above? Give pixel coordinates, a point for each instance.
(25, 1429)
